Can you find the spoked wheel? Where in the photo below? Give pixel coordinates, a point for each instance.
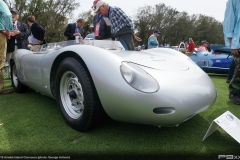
(72, 95)
(76, 96)
(17, 85)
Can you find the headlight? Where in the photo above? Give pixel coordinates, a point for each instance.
(138, 78)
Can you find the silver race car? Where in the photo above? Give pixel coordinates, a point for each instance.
(157, 87)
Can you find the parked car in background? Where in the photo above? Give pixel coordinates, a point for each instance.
(218, 60)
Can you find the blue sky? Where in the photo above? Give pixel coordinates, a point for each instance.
(214, 8)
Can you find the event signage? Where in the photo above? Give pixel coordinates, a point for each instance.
(229, 123)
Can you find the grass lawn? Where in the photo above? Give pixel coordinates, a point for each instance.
(31, 124)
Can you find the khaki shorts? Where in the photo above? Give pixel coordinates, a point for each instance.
(3, 48)
(36, 48)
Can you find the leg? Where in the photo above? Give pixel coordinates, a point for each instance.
(7, 67)
(127, 42)
(3, 47)
(234, 86)
(1, 81)
(231, 71)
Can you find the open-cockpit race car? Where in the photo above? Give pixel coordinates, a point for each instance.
(158, 87)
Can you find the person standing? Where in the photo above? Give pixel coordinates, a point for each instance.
(191, 45)
(231, 30)
(19, 35)
(5, 28)
(74, 30)
(102, 30)
(152, 40)
(190, 48)
(37, 32)
(121, 24)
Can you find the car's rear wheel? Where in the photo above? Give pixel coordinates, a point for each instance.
(17, 85)
(76, 96)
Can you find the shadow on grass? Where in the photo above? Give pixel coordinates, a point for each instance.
(33, 125)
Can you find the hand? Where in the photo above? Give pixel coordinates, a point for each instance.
(40, 42)
(136, 38)
(76, 34)
(11, 33)
(16, 32)
(235, 52)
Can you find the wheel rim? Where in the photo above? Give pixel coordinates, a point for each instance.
(72, 95)
(14, 76)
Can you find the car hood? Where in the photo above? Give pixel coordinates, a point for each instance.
(156, 59)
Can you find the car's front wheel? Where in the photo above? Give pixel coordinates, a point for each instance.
(17, 85)
(76, 96)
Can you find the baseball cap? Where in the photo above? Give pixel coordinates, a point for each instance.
(97, 4)
(204, 41)
(14, 10)
(156, 31)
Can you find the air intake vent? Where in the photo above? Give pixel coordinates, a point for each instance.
(164, 110)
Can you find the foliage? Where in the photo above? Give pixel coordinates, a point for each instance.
(51, 14)
(88, 17)
(176, 26)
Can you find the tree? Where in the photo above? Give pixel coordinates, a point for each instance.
(51, 14)
(176, 26)
(88, 17)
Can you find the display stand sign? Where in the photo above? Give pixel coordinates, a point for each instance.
(228, 122)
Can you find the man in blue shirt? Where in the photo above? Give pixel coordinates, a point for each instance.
(5, 28)
(121, 24)
(231, 29)
(152, 40)
(75, 29)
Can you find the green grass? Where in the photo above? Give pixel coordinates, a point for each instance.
(32, 125)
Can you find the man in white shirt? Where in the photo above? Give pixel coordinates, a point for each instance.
(19, 35)
(152, 40)
(203, 47)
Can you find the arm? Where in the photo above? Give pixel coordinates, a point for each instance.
(228, 24)
(231, 26)
(152, 40)
(41, 31)
(119, 12)
(23, 32)
(121, 15)
(38, 32)
(68, 32)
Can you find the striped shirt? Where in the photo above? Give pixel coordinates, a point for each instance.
(119, 20)
(231, 24)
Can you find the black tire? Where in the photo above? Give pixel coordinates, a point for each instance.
(18, 87)
(76, 96)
